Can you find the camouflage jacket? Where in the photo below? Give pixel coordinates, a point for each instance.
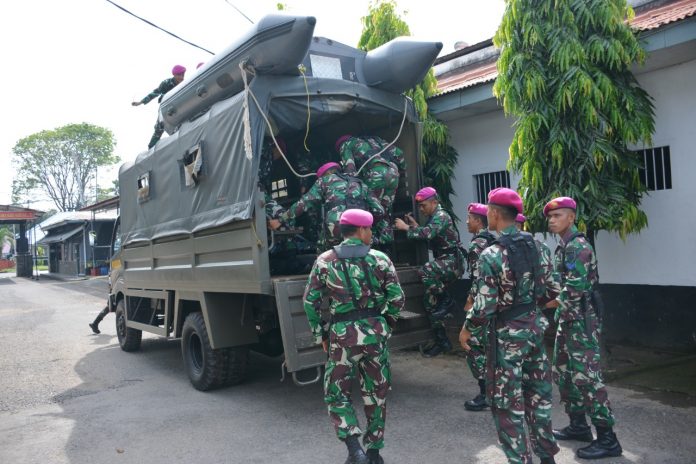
(164, 87)
(357, 150)
(496, 285)
(474, 250)
(440, 232)
(327, 278)
(336, 192)
(578, 275)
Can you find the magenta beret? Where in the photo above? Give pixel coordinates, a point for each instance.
(521, 218)
(356, 217)
(477, 208)
(199, 65)
(340, 140)
(326, 167)
(178, 69)
(558, 203)
(505, 197)
(425, 193)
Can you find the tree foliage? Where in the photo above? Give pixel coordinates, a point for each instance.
(565, 73)
(382, 24)
(61, 163)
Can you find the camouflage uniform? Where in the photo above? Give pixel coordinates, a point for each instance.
(335, 193)
(577, 369)
(355, 344)
(476, 357)
(306, 163)
(381, 175)
(519, 375)
(164, 87)
(443, 240)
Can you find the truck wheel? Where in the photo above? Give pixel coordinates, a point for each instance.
(205, 366)
(128, 338)
(237, 363)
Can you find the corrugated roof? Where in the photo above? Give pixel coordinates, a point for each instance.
(646, 20)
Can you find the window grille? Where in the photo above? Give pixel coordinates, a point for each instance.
(488, 181)
(656, 173)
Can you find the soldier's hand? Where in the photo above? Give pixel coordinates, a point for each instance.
(464, 337)
(553, 304)
(469, 304)
(137, 103)
(325, 345)
(274, 224)
(411, 220)
(400, 224)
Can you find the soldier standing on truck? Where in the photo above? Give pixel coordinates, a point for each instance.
(380, 172)
(335, 192)
(165, 86)
(448, 265)
(365, 302)
(577, 367)
(511, 286)
(477, 224)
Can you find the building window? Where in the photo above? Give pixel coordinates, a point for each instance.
(656, 173)
(279, 189)
(488, 181)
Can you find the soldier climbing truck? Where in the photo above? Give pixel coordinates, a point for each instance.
(192, 255)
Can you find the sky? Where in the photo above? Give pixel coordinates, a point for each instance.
(75, 61)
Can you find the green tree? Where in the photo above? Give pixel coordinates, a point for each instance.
(61, 163)
(382, 24)
(565, 73)
(7, 236)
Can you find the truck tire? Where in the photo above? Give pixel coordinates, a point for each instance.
(237, 363)
(206, 367)
(128, 338)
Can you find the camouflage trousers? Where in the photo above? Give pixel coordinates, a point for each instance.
(157, 134)
(523, 392)
(435, 275)
(371, 361)
(578, 373)
(383, 181)
(476, 356)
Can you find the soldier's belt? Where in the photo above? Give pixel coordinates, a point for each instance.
(355, 315)
(513, 313)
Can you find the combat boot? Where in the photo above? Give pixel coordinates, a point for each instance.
(374, 457)
(95, 327)
(441, 345)
(479, 402)
(550, 460)
(356, 455)
(578, 429)
(606, 445)
(444, 306)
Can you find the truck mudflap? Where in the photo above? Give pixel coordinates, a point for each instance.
(301, 353)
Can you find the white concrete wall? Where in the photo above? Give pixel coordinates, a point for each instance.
(664, 253)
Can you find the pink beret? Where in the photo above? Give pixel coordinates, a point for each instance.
(521, 218)
(356, 217)
(425, 193)
(199, 65)
(558, 203)
(505, 197)
(340, 140)
(326, 167)
(477, 208)
(178, 69)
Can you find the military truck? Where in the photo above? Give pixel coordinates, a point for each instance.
(192, 251)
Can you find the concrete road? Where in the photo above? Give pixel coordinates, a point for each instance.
(68, 396)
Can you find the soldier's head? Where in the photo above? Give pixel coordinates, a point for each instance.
(328, 168)
(520, 220)
(476, 217)
(356, 223)
(427, 200)
(504, 205)
(178, 72)
(560, 212)
(340, 141)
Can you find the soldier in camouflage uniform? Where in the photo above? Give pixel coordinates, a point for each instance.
(380, 173)
(477, 224)
(164, 87)
(511, 285)
(577, 368)
(365, 302)
(334, 192)
(448, 265)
